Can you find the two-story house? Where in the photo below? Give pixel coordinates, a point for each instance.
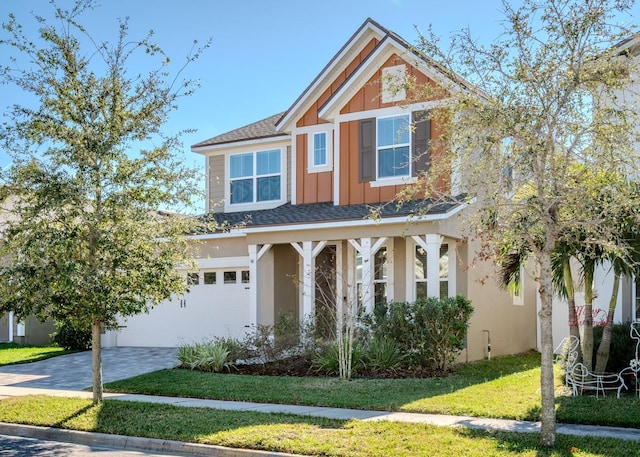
(297, 190)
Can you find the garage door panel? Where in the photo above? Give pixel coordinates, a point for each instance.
(205, 312)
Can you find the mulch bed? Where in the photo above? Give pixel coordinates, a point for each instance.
(301, 366)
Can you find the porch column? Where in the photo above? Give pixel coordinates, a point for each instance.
(432, 246)
(254, 256)
(308, 253)
(367, 251)
(10, 326)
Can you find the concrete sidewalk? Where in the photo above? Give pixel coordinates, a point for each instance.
(345, 414)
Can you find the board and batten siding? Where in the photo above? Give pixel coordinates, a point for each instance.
(311, 116)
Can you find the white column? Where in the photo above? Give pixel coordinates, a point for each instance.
(308, 253)
(367, 275)
(433, 242)
(308, 289)
(11, 326)
(253, 285)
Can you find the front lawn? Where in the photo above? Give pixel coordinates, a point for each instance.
(294, 434)
(12, 353)
(505, 387)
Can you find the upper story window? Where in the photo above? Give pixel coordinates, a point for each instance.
(255, 176)
(394, 146)
(393, 150)
(319, 149)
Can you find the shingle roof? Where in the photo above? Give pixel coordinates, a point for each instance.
(264, 128)
(289, 214)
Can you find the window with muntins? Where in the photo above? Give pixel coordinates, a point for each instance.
(394, 146)
(421, 273)
(255, 176)
(319, 149)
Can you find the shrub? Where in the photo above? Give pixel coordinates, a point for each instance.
(623, 348)
(327, 359)
(285, 338)
(445, 322)
(72, 337)
(383, 354)
(429, 331)
(209, 356)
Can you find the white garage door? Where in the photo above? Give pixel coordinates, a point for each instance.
(216, 305)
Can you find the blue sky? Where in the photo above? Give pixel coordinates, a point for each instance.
(264, 52)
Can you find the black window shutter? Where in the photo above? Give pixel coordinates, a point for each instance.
(420, 139)
(367, 150)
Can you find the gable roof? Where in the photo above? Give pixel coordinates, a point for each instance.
(630, 45)
(368, 30)
(264, 128)
(328, 213)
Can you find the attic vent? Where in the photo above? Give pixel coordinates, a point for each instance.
(393, 79)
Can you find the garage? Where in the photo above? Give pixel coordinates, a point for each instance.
(217, 305)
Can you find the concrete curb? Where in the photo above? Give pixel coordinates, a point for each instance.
(132, 443)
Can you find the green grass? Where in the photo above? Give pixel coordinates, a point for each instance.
(506, 387)
(294, 434)
(11, 353)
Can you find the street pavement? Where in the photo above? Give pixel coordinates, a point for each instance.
(18, 446)
(67, 375)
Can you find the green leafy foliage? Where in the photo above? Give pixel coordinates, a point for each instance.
(384, 355)
(623, 348)
(72, 337)
(208, 356)
(91, 169)
(430, 331)
(327, 358)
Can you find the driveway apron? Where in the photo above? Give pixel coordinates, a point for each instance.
(73, 371)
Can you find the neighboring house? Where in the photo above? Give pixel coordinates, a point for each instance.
(29, 331)
(303, 183)
(628, 302)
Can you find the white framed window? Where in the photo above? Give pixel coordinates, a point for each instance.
(380, 276)
(381, 273)
(255, 177)
(319, 148)
(393, 79)
(421, 272)
(443, 270)
(210, 277)
(393, 146)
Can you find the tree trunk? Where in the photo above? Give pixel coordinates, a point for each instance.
(587, 331)
(96, 358)
(548, 411)
(574, 329)
(602, 356)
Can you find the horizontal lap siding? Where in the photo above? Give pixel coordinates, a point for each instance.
(216, 182)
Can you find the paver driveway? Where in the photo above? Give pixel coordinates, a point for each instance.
(73, 371)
